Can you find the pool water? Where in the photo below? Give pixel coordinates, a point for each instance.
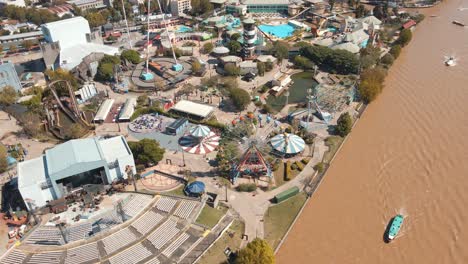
(183, 29)
(279, 31)
(332, 29)
(297, 91)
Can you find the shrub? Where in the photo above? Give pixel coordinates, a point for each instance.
(246, 187)
(344, 124)
(131, 55)
(395, 51)
(288, 129)
(140, 167)
(293, 166)
(305, 160)
(267, 108)
(299, 165)
(405, 37)
(319, 167)
(387, 59)
(240, 98)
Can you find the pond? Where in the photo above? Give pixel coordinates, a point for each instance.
(297, 91)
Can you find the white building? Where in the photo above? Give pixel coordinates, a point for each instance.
(70, 41)
(71, 165)
(179, 7)
(88, 4)
(20, 3)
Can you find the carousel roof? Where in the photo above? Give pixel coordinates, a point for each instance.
(206, 145)
(288, 143)
(200, 131)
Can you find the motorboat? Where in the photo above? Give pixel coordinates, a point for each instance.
(395, 227)
(450, 61)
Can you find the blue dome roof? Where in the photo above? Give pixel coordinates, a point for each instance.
(196, 187)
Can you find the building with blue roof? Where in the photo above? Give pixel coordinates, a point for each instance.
(70, 165)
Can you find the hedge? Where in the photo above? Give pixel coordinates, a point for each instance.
(305, 161)
(299, 165)
(287, 171)
(247, 187)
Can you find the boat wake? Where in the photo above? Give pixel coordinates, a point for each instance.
(462, 8)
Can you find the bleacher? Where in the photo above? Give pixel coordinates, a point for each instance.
(14, 257)
(118, 240)
(153, 261)
(78, 232)
(146, 222)
(135, 204)
(185, 209)
(175, 245)
(46, 257)
(166, 204)
(132, 255)
(82, 254)
(163, 233)
(45, 235)
(108, 220)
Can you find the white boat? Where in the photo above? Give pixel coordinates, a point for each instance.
(450, 61)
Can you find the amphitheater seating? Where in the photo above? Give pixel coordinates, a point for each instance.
(166, 204)
(132, 255)
(47, 257)
(78, 232)
(163, 233)
(175, 245)
(185, 209)
(108, 220)
(135, 204)
(118, 240)
(147, 221)
(14, 257)
(82, 254)
(45, 235)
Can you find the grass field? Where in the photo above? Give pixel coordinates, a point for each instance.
(279, 217)
(179, 191)
(333, 143)
(210, 216)
(279, 175)
(231, 238)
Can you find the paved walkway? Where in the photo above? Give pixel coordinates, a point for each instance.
(252, 208)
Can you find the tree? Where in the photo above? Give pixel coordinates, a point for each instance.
(231, 69)
(200, 7)
(361, 11)
(27, 44)
(13, 48)
(1, 49)
(146, 151)
(235, 36)
(405, 37)
(131, 55)
(208, 47)
(61, 74)
(234, 47)
(256, 252)
(332, 4)
(336, 61)
(388, 59)
(240, 98)
(281, 51)
(395, 51)
(261, 68)
(378, 12)
(8, 95)
(3, 159)
(76, 131)
(303, 62)
(95, 19)
(196, 67)
(371, 83)
(105, 72)
(269, 65)
(344, 124)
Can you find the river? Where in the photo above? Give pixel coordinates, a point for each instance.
(408, 154)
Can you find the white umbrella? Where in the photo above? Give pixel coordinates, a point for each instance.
(200, 131)
(288, 143)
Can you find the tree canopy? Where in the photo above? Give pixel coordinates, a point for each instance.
(371, 84)
(105, 71)
(280, 51)
(8, 95)
(240, 98)
(231, 69)
(405, 37)
(234, 47)
(336, 61)
(344, 124)
(131, 55)
(146, 151)
(3, 159)
(200, 7)
(395, 50)
(256, 252)
(208, 47)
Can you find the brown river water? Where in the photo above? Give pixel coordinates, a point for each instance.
(408, 154)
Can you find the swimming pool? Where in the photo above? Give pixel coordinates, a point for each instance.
(183, 29)
(279, 31)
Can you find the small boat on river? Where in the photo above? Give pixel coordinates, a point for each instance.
(395, 227)
(458, 23)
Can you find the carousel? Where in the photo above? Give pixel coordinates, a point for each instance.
(199, 140)
(287, 144)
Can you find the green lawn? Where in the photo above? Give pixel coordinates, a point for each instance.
(179, 191)
(279, 217)
(210, 216)
(333, 143)
(215, 254)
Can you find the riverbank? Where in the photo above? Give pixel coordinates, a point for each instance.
(404, 156)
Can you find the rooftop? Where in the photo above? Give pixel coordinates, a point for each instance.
(72, 56)
(265, 2)
(197, 109)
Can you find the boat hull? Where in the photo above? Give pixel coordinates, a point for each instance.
(395, 227)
